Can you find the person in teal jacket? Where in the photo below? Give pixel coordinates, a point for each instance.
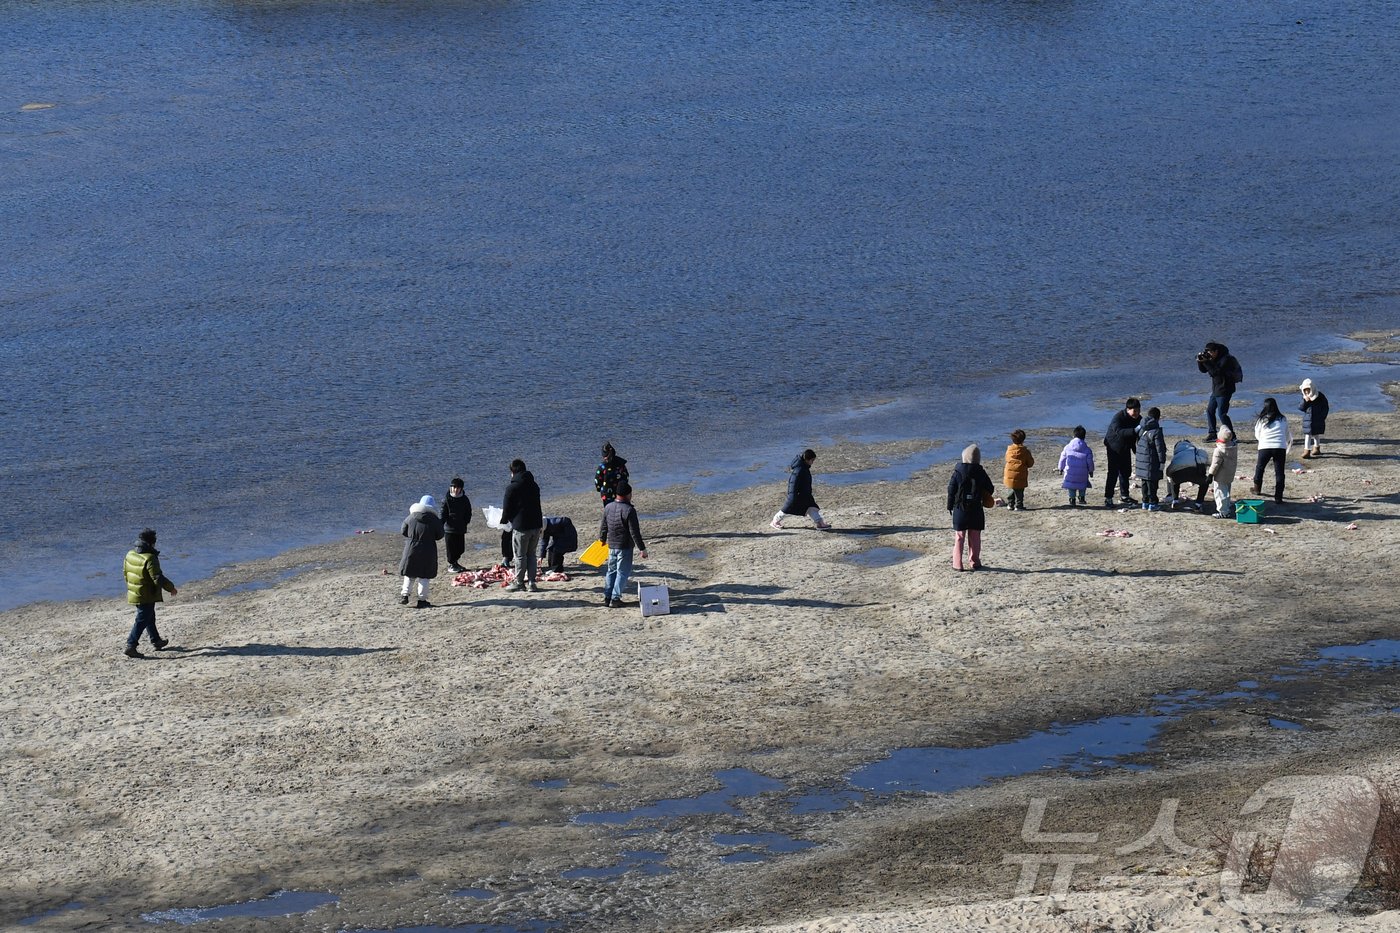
(144, 585)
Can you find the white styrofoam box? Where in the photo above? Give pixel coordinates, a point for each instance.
(655, 600)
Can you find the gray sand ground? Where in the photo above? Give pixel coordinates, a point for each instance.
(315, 735)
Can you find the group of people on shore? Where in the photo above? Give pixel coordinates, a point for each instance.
(1135, 445)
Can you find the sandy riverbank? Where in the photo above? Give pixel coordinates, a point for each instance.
(316, 735)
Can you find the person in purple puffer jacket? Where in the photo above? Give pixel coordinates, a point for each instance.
(1077, 465)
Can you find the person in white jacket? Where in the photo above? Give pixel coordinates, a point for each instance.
(1272, 433)
(1224, 460)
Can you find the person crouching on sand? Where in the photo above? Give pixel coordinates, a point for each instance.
(1017, 473)
(419, 564)
(968, 490)
(799, 494)
(144, 583)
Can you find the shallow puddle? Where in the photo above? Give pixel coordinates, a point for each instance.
(552, 784)
(280, 904)
(881, 557)
(476, 894)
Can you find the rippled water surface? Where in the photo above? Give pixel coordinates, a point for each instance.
(273, 270)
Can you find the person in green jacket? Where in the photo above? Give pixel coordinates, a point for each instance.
(144, 583)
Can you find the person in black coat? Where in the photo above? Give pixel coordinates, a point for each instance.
(419, 564)
(521, 510)
(967, 490)
(1225, 373)
(456, 516)
(1120, 442)
(1314, 409)
(558, 538)
(799, 492)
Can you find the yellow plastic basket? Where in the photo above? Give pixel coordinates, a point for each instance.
(596, 555)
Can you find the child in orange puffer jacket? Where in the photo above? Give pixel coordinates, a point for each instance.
(1017, 473)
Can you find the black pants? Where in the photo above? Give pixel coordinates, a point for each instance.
(507, 549)
(456, 546)
(1265, 455)
(1149, 491)
(554, 560)
(1120, 469)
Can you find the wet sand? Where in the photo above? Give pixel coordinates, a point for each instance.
(309, 733)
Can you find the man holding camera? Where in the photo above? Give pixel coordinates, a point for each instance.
(1225, 373)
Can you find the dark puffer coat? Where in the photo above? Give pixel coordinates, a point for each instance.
(1315, 415)
(456, 513)
(423, 529)
(968, 513)
(799, 493)
(521, 507)
(1152, 453)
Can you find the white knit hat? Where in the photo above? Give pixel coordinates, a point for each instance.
(1305, 385)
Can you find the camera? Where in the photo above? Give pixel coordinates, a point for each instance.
(1203, 356)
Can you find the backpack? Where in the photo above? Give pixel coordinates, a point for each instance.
(967, 489)
(1234, 373)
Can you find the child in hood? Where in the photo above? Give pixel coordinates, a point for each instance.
(1224, 460)
(1017, 472)
(1077, 465)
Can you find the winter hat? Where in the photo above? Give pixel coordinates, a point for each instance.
(147, 536)
(1305, 385)
(428, 502)
(1224, 435)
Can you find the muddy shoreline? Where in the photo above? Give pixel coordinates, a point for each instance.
(313, 735)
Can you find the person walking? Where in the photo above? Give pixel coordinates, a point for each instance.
(1151, 458)
(1274, 436)
(799, 492)
(611, 473)
(521, 510)
(621, 532)
(144, 585)
(1120, 444)
(1314, 409)
(1225, 373)
(456, 516)
(1017, 471)
(968, 490)
(419, 564)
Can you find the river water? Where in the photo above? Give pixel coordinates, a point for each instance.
(273, 270)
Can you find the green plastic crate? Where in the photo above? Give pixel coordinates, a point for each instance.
(1249, 511)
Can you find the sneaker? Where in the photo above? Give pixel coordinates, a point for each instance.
(456, 568)
(131, 652)
(1152, 507)
(1108, 503)
(977, 565)
(533, 588)
(516, 588)
(160, 643)
(1129, 500)
(1210, 439)
(1218, 515)
(618, 603)
(403, 600)
(422, 604)
(824, 526)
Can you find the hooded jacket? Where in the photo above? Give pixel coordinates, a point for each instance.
(144, 580)
(610, 474)
(1224, 372)
(1077, 463)
(1314, 414)
(559, 535)
(1152, 455)
(423, 529)
(521, 508)
(799, 491)
(1017, 472)
(1224, 460)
